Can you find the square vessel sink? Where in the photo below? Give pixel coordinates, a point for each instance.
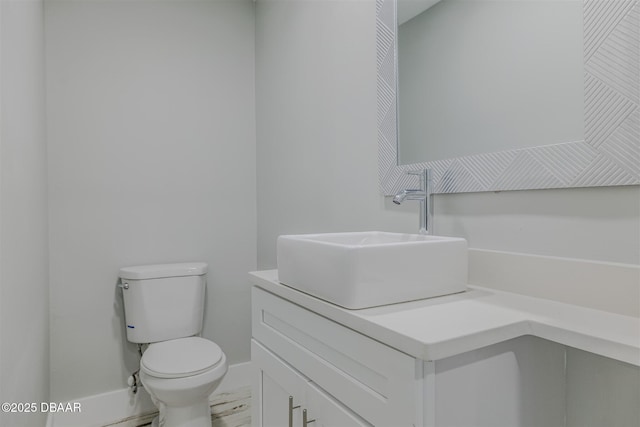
(368, 269)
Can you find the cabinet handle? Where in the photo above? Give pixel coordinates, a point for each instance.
(291, 408)
(305, 421)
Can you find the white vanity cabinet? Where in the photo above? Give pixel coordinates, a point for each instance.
(343, 378)
(484, 358)
(280, 389)
(289, 399)
(327, 412)
(340, 377)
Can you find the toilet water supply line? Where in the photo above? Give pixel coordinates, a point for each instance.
(133, 378)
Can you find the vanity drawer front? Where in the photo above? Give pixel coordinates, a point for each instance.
(376, 381)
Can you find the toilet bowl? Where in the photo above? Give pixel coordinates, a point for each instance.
(180, 375)
(164, 308)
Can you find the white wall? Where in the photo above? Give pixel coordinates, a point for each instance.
(316, 111)
(516, 383)
(151, 127)
(24, 298)
(598, 223)
(602, 392)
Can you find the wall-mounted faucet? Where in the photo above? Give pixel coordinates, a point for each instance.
(422, 195)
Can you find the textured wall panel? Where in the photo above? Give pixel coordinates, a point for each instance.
(609, 154)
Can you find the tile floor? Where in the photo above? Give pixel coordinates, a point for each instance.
(230, 409)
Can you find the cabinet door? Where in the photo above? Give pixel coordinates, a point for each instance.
(278, 390)
(327, 412)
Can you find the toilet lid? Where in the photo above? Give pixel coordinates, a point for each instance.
(180, 358)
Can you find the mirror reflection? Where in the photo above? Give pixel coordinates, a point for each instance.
(480, 76)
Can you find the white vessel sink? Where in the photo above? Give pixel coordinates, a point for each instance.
(368, 269)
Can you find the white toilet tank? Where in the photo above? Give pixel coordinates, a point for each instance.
(164, 301)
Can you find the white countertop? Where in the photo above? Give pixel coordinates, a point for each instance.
(437, 328)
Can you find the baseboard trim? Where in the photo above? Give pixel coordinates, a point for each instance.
(114, 406)
(605, 286)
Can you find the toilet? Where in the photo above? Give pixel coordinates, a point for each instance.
(164, 308)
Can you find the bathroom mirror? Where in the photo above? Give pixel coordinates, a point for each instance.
(454, 75)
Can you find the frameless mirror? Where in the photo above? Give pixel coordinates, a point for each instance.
(508, 94)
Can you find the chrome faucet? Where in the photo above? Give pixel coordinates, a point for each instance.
(422, 195)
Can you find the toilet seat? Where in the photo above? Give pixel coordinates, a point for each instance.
(181, 357)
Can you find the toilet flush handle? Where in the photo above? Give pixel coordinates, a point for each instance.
(124, 285)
